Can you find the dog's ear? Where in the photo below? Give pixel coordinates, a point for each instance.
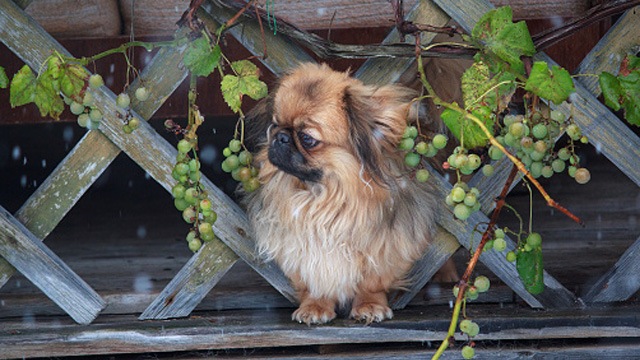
(257, 122)
(377, 120)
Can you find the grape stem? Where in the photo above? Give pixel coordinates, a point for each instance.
(453, 106)
(464, 281)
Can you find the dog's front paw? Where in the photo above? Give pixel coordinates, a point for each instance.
(371, 312)
(314, 312)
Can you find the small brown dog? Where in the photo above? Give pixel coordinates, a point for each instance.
(337, 209)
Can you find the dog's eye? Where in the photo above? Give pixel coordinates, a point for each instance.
(306, 140)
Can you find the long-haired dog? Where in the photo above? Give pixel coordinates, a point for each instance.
(337, 209)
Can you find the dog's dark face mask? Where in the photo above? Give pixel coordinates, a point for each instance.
(284, 153)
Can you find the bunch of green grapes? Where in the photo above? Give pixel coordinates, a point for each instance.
(238, 162)
(89, 116)
(123, 101)
(417, 146)
(532, 138)
(190, 198)
(464, 200)
(533, 241)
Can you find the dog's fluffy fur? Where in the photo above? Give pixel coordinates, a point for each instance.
(337, 209)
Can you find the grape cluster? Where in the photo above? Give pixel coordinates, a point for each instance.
(238, 162)
(481, 284)
(532, 138)
(123, 101)
(417, 148)
(89, 116)
(533, 241)
(190, 198)
(464, 200)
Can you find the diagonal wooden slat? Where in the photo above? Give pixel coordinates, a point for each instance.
(84, 162)
(47, 271)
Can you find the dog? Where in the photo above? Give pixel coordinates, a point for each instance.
(337, 209)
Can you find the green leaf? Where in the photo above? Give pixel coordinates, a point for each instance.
(530, 269)
(555, 85)
(246, 82)
(480, 89)
(465, 129)
(200, 58)
(73, 81)
(623, 91)
(4, 80)
(48, 99)
(23, 87)
(497, 35)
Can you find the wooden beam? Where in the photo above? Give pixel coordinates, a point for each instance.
(47, 271)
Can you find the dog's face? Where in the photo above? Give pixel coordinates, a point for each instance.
(327, 125)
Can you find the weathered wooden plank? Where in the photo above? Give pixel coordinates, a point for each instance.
(621, 281)
(47, 271)
(273, 328)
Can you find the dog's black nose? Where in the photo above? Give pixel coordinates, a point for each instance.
(283, 137)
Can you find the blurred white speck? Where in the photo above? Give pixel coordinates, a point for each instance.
(44, 163)
(599, 235)
(142, 284)
(24, 160)
(23, 180)
(598, 147)
(141, 232)
(16, 152)
(321, 11)
(557, 21)
(433, 291)
(28, 318)
(147, 176)
(450, 304)
(67, 134)
(109, 81)
(130, 183)
(112, 68)
(208, 154)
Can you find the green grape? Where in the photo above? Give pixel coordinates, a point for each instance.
(482, 283)
(470, 199)
(180, 203)
(487, 170)
(461, 160)
(244, 174)
(462, 211)
(191, 195)
(452, 161)
(564, 154)
(540, 146)
(410, 132)
(83, 120)
(209, 216)
(449, 200)
(536, 169)
(499, 244)
(511, 140)
(95, 115)
(468, 352)
(472, 294)
(526, 142)
(539, 131)
(235, 174)
(184, 146)
(422, 175)
(536, 116)
(192, 235)
(194, 165)
(556, 116)
(584, 139)
(178, 191)
(527, 248)
(134, 123)
(245, 157)
(205, 204)
(422, 148)
(574, 132)
(412, 159)
(456, 290)
(457, 194)
(439, 141)
(558, 165)
(526, 160)
(95, 81)
(76, 108)
(499, 233)
(508, 120)
(195, 244)
(547, 171)
(488, 245)
(517, 130)
(495, 153)
(127, 129)
(465, 325)
(536, 155)
(225, 167)
(233, 162)
(181, 168)
(406, 144)
(209, 236)
(142, 94)
(195, 176)
(582, 176)
(123, 101)
(252, 185)
(534, 240)
(511, 256)
(226, 152)
(474, 161)
(87, 100)
(574, 160)
(189, 214)
(235, 145)
(431, 151)
(474, 329)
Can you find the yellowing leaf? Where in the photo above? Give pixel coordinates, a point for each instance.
(23, 87)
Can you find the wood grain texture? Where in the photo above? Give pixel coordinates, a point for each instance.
(47, 271)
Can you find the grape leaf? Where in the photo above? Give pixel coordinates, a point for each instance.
(73, 81)
(623, 91)
(480, 89)
(200, 58)
(555, 85)
(498, 35)
(530, 269)
(246, 82)
(48, 99)
(23, 87)
(4, 80)
(464, 128)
